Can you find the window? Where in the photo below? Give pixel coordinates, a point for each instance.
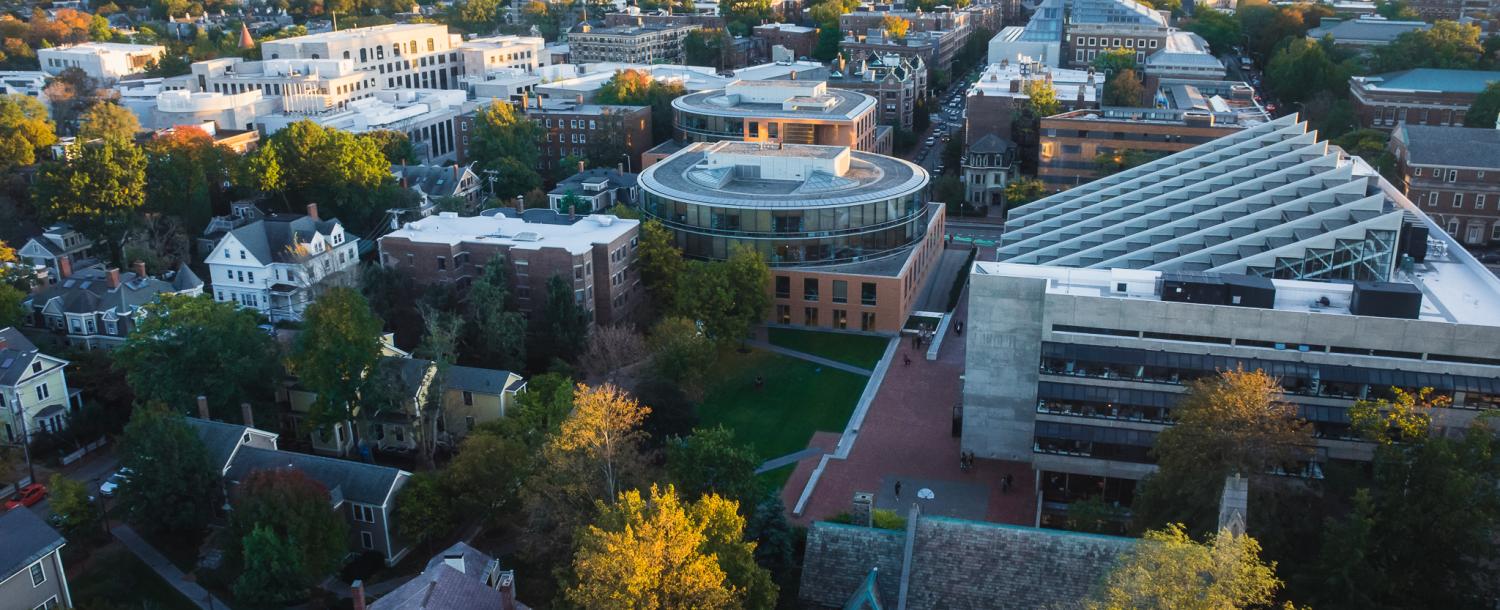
(1416, 171)
(38, 576)
(840, 319)
(1458, 200)
(867, 320)
(810, 316)
(810, 289)
(111, 328)
(867, 294)
(1453, 227)
(363, 513)
(468, 399)
(1432, 199)
(469, 422)
(1479, 202)
(783, 287)
(442, 263)
(784, 314)
(1495, 232)
(47, 605)
(840, 291)
(242, 255)
(367, 540)
(43, 392)
(252, 275)
(1453, 175)
(36, 367)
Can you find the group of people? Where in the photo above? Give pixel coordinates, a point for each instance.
(965, 460)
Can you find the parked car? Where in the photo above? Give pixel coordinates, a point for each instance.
(108, 487)
(28, 496)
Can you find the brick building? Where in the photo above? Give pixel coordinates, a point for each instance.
(801, 40)
(1424, 96)
(897, 83)
(595, 253)
(570, 127)
(632, 44)
(1453, 174)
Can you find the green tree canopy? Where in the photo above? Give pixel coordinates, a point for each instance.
(709, 461)
(681, 353)
(1167, 569)
(24, 130)
(1114, 60)
(395, 145)
(272, 570)
(1301, 69)
(1220, 30)
(173, 488)
(496, 333)
(185, 172)
(505, 140)
(336, 353)
(829, 38)
(309, 163)
(1124, 89)
(108, 120)
(425, 509)
(1447, 44)
(1024, 190)
(637, 88)
(99, 191)
(299, 511)
(1485, 109)
(564, 324)
(661, 263)
(188, 346)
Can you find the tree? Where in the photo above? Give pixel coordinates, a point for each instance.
(70, 93)
(425, 509)
(657, 552)
(1220, 30)
(1041, 98)
(496, 334)
(950, 191)
(13, 284)
(829, 38)
(185, 347)
(707, 48)
(680, 353)
(1301, 69)
(749, 281)
(1447, 44)
(185, 171)
(77, 515)
(661, 264)
(1485, 109)
(1167, 569)
(742, 15)
(727, 298)
(603, 428)
(505, 141)
(485, 475)
(1397, 10)
(24, 130)
(572, 204)
(637, 88)
(1114, 60)
(107, 120)
(1233, 422)
(479, 15)
(336, 353)
(99, 191)
(709, 461)
(1023, 190)
(272, 569)
(538, 413)
(894, 27)
(564, 325)
(1124, 89)
(395, 145)
(298, 510)
(440, 346)
(309, 163)
(611, 349)
(173, 488)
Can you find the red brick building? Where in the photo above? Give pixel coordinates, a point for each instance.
(800, 39)
(1424, 96)
(569, 127)
(1453, 174)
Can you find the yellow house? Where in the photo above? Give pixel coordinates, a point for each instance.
(472, 396)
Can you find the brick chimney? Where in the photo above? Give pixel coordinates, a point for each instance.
(1015, 85)
(507, 591)
(312, 211)
(139, 267)
(65, 265)
(357, 591)
(247, 414)
(580, 167)
(862, 508)
(203, 407)
(113, 276)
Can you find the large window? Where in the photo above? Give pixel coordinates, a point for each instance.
(840, 291)
(783, 287)
(38, 576)
(810, 289)
(867, 294)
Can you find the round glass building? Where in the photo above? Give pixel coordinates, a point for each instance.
(796, 204)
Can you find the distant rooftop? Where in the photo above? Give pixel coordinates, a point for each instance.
(996, 80)
(739, 99)
(576, 237)
(759, 175)
(1450, 146)
(1368, 29)
(356, 33)
(1430, 79)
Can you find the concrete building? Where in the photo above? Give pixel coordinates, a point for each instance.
(1039, 41)
(102, 60)
(835, 225)
(228, 110)
(1076, 146)
(897, 83)
(649, 44)
(296, 85)
(787, 111)
(1364, 32)
(1266, 249)
(1423, 96)
(481, 56)
(800, 40)
(504, 85)
(590, 77)
(428, 117)
(397, 56)
(31, 567)
(594, 253)
(1453, 174)
(23, 82)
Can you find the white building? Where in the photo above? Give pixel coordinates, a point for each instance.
(508, 84)
(297, 85)
(1185, 55)
(226, 110)
(279, 263)
(101, 60)
(481, 56)
(427, 116)
(397, 56)
(25, 82)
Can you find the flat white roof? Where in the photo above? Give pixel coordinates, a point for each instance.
(577, 238)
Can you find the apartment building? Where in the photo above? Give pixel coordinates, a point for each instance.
(1453, 174)
(571, 127)
(594, 253)
(101, 60)
(397, 56)
(945, 29)
(481, 56)
(897, 83)
(34, 394)
(97, 308)
(800, 40)
(1422, 96)
(638, 44)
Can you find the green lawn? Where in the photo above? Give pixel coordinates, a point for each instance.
(798, 398)
(112, 577)
(863, 351)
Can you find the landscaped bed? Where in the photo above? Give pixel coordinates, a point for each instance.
(863, 351)
(796, 399)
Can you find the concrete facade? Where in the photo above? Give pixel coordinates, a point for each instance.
(648, 44)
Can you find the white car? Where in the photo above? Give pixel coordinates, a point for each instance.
(107, 489)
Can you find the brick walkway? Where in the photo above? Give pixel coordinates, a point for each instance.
(168, 572)
(908, 434)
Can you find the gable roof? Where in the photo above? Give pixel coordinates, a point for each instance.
(88, 291)
(442, 587)
(270, 239)
(16, 354)
(354, 481)
(433, 180)
(221, 439)
(992, 143)
(27, 538)
(472, 379)
(574, 183)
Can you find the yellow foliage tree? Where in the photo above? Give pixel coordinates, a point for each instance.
(1169, 570)
(604, 427)
(895, 27)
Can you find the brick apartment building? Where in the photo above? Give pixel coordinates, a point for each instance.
(1424, 96)
(595, 253)
(1453, 174)
(569, 127)
(801, 40)
(632, 44)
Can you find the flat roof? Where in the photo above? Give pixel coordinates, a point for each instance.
(870, 178)
(1441, 80)
(849, 104)
(356, 33)
(577, 238)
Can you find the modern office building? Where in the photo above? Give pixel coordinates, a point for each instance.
(1453, 174)
(1266, 249)
(428, 117)
(1364, 32)
(644, 44)
(835, 224)
(898, 83)
(1422, 96)
(1081, 145)
(397, 56)
(481, 56)
(594, 253)
(787, 111)
(101, 60)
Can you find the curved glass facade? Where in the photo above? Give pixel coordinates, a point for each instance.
(694, 127)
(793, 236)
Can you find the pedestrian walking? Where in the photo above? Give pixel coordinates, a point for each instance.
(898, 490)
(1005, 483)
(906, 358)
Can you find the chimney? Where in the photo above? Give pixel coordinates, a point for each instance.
(620, 167)
(312, 211)
(864, 501)
(357, 591)
(793, 75)
(114, 277)
(455, 561)
(580, 167)
(580, 99)
(65, 265)
(507, 587)
(520, 204)
(203, 407)
(140, 269)
(1015, 85)
(247, 414)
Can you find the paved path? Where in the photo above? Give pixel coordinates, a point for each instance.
(833, 364)
(790, 458)
(158, 562)
(934, 295)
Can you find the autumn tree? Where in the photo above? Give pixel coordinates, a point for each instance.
(70, 93)
(187, 346)
(1167, 569)
(185, 171)
(76, 512)
(173, 488)
(1124, 89)
(1022, 191)
(298, 511)
(13, 285)
(105, 120)
(495, 333)
(24, 131)
(99, 191)
(1113, 61)
(336, 354)
(894, 27)
(1233, 422)
(657, 552)
(637, 88)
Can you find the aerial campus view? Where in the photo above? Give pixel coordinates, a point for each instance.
(754, 304)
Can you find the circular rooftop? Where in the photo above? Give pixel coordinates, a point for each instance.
(757, 175)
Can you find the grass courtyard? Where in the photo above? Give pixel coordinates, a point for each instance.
(798, 398)
(863, 351)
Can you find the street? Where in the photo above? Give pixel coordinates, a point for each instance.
(92, 470)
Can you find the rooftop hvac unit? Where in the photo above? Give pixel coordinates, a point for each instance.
(1386, 300)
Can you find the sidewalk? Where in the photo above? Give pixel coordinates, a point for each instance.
(164, 568)
(833, 364)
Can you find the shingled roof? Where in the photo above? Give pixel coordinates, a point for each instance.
(88, 290)
(16, 354)
(27, 538)
(346, 479)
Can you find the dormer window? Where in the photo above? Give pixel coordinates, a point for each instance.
(36, 367)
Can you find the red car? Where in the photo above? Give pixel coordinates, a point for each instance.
(29, 496)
